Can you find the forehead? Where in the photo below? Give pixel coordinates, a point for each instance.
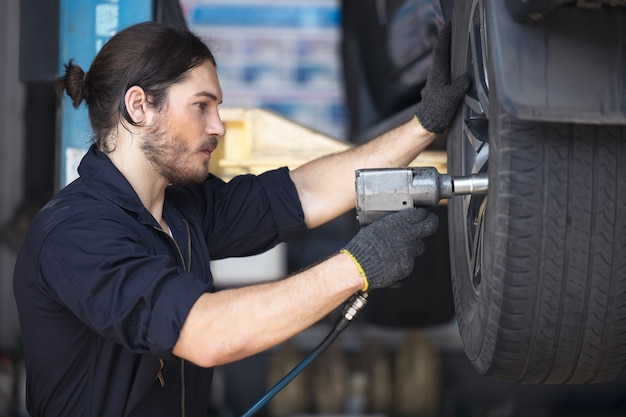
(201, 80)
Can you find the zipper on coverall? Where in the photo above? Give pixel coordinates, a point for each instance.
(186, 268)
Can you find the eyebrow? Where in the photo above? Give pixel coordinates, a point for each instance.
(208, 95)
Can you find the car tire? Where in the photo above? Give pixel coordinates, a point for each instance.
(539, 263)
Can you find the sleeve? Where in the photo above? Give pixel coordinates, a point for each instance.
(102, 272)
(250, 214)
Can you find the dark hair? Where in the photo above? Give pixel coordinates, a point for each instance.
(149, 55)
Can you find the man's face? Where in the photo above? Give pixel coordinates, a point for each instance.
(185, 132)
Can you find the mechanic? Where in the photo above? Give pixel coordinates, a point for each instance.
(117, 307)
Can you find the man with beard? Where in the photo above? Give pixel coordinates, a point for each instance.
(118, 310)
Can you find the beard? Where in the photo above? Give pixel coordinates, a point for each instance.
(170, 155)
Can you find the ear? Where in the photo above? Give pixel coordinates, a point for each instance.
(136, 103)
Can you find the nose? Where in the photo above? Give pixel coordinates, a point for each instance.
(216, 127)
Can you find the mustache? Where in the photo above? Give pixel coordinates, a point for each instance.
(210, 144)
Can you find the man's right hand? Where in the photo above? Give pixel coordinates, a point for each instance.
(385, 250)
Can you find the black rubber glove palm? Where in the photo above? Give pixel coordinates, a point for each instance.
(440, 98)
(385, 251)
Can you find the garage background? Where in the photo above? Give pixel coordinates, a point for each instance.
(362, 374)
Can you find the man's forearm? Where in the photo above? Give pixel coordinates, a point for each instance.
(233, 324)
(326, 185)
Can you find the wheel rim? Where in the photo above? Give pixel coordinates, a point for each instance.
(475, 134)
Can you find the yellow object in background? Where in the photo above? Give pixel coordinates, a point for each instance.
(258, 140)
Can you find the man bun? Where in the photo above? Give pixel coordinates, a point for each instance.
(73, 83)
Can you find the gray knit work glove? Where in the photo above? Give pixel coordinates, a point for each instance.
(440, 99)
(385, 250)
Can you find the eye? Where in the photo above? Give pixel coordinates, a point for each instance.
(202, 106)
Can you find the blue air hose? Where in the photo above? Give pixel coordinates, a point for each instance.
(352, 307)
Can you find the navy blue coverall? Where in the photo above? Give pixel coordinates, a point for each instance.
(102, 291)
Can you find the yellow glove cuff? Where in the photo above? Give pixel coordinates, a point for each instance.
(422, 126)
(358, 267)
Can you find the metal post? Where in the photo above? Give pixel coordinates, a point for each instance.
(84, 26)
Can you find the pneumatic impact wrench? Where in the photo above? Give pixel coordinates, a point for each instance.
(381, 191)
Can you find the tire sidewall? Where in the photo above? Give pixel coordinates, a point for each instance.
(476, 307)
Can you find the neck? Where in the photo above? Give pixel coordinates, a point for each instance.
(147, 183)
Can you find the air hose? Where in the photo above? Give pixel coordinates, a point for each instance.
(351, 308)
